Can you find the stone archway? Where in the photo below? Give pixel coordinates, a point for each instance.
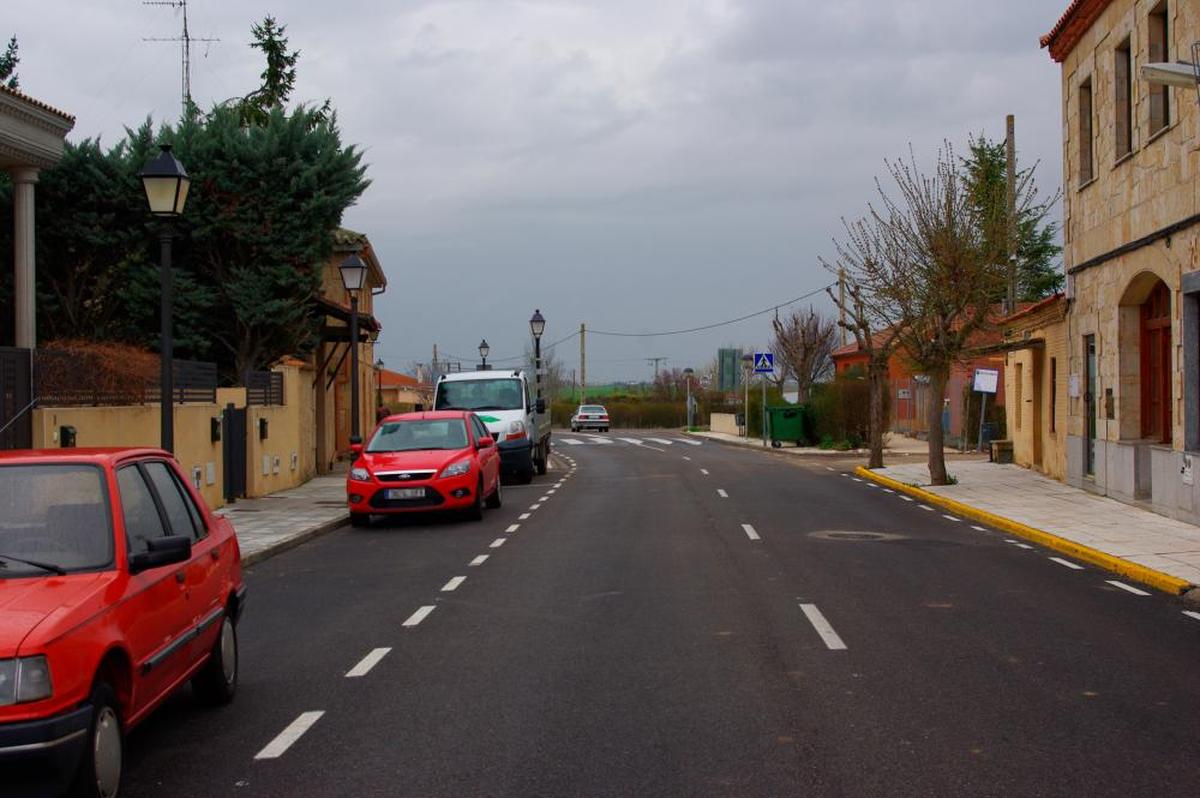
(1145, 326)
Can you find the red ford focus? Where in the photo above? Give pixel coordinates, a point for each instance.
(418, 462)
(117, 586)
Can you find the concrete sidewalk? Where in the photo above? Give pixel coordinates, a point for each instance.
(896, 445)
(271, 524)
(1119, 530)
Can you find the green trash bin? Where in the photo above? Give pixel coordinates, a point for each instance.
(788, 423)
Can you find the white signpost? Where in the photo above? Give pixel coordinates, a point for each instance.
(986, 381)
(764, 364)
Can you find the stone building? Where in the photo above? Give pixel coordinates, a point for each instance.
(1131, 156)
(1035, 342)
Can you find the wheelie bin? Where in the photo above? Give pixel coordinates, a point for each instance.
(788, 423)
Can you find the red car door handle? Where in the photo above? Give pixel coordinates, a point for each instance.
(215, 554)
(180, 577)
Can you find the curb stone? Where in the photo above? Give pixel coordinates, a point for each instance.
(1101, 559)
(281, 546)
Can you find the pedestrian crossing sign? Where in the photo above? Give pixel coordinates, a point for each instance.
(764, 363)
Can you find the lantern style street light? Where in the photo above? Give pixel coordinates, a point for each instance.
(687, 374)
(166, 184)
(537, 326)
(483, 353)
(354, 276)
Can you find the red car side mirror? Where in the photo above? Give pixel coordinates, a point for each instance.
(487, 442)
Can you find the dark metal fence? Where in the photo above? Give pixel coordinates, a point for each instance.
(83, 378)
(263, 387)
(16, 399)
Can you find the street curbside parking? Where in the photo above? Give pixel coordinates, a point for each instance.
(1110, 562)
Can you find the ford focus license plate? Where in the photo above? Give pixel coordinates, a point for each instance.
(406, 493)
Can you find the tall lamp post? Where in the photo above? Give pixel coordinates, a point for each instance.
(747, 370)
(166, 184)
(378, 383)
(354, 275)
(537, 326)
(687, 375)
(483, 353)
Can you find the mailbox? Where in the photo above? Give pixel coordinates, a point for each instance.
(262, 429)
(66, 437)
(214, 430)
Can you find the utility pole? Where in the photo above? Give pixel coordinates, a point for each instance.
(582, 363)
(1011, 191)
(654, 361)
(186, 40)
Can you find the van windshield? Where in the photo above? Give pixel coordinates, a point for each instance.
(505, 394)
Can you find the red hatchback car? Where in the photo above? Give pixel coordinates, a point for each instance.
(414, 462)
(117, 586)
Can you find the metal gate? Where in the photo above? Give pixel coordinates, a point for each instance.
(16, 399)
(233, 451)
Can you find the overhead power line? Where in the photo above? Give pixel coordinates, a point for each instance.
(713, 326)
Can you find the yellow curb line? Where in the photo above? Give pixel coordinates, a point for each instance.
(1139, 573)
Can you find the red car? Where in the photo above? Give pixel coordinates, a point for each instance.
(417, 462)
(117, 586)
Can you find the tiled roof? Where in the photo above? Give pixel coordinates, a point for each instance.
(22, 96)
(1071, 26)
(1034, 307)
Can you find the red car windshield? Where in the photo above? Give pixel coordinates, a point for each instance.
(53, 518)
(413, 436)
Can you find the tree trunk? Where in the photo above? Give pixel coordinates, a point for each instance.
(877, 384)
(937, 438)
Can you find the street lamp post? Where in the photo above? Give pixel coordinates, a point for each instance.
(483, 353)
(747, 366)
(354, 275)
(378, 383)
(537, 326)
(687, 374)
(166, 184)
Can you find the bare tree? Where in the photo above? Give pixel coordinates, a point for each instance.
(934, 276)
(802, 344)
(863, 263)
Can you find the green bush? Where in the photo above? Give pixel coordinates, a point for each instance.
(842, 412)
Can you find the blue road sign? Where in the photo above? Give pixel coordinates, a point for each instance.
(764, 363)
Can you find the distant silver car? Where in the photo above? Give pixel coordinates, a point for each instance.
(590, 417)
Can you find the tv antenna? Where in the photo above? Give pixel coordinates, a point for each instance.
(654, 361)
(185, 39)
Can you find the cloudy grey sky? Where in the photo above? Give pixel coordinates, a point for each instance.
(638, 165)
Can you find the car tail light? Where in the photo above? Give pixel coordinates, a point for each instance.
(514, 436)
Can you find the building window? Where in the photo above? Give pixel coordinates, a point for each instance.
(1053, 392)
(1159, 53)
(1085, 132)
(1123, 106)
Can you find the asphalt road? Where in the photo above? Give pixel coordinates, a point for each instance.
(689, 620)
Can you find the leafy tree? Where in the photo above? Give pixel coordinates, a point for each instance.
(1038, 272)
(8, 65)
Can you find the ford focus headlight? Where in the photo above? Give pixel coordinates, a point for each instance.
(24, 680)
(360, 475)
(457, 469)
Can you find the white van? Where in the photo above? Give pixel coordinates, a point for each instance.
(504, 401)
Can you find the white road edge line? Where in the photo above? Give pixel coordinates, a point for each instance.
(453, 584)
(925, 507)
(1128, 588)
(480, 560)
(534, 506)
(366, 663)
(907, 498)
(830, 468)
(290, 735)
(1067, 563)
(523, 517)
(419, 615)
(750, 533)
(823, 627)
(951, 518)
(721, 492)
(978, 528)
(497, 543)
(704, 471)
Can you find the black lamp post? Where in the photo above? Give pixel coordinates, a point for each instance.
(687, 374)
(354, 275)
(483, 353)
(166, 184)
(378, 383)
(537, 326)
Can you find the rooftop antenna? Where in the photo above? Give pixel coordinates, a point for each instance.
(654, 361)
(185, 39)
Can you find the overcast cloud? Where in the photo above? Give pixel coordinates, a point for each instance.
(637, 166)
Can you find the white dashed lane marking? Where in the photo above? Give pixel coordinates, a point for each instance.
(907, 498)
(523, 517)
(1128, 588)
(1066, 563)
(294, 731)
(978, 528)
(832, 641)
(419, 616)
(704, 471)
(480, 560)
(925, 507)
(951, 518)
(1019, 544)
(512, 528)
(721, 492)
(534, 506)
(453, 584)
(366, 663)
(497, 543)
(750, 533)
(1193, 615)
